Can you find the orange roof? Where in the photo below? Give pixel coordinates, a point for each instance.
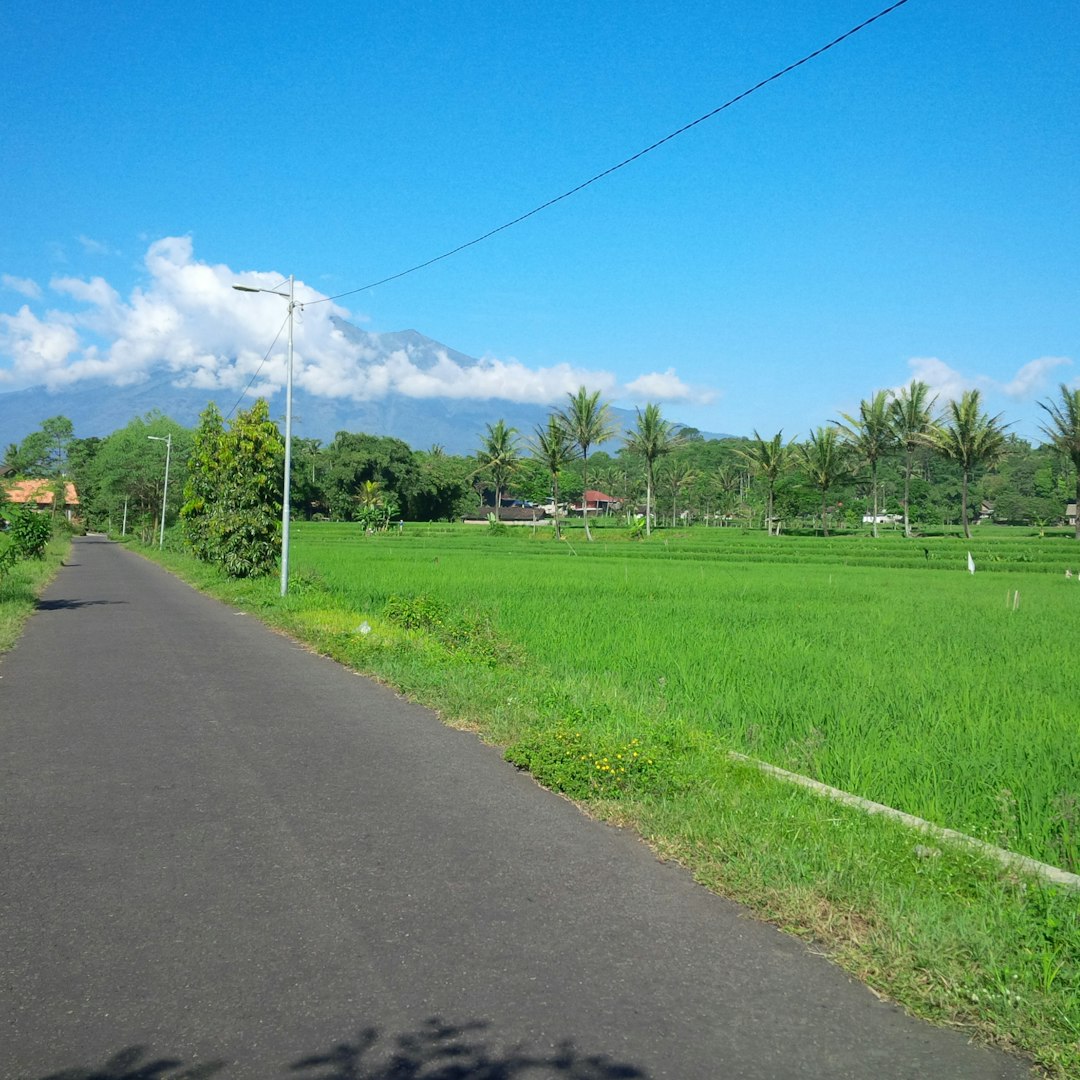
(40, 492)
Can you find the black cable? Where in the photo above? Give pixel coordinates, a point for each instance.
(626, 161)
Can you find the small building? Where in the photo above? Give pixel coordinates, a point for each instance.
(1070, 514)
(595, 502)
(39, 495)
(508, 515)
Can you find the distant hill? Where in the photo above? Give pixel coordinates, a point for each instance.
(100, 409)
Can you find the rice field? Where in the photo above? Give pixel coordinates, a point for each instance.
(882, 667)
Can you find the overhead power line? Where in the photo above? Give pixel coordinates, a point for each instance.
(626, 161)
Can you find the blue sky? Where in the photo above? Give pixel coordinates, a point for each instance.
(906, 205)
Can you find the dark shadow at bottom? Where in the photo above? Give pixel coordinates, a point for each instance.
(436, 1050)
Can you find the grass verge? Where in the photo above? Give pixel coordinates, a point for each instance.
(945, 932)
(22, 585)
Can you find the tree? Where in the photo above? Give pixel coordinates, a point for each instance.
(203, 480)
(351, 458)
(58, 432)
(587, 421)
(1063, 431)
(652, 439)
(552, 447)
(970, 438)
(498, 458)
(911, 417)
(871, 436)
(769, 461)
(822, 458)
(440, 488)
(677, 475)
(234, 492)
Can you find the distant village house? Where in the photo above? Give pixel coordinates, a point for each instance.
(40, 495)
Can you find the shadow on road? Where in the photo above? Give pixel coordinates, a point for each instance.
(63, 605)
(436, 1050)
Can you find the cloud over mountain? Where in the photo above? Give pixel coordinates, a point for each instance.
(187, 319)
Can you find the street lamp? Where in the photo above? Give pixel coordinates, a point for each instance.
(167, 440)
(288, 431)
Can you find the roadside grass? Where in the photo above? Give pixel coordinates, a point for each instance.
(22, 585)
(574, 659)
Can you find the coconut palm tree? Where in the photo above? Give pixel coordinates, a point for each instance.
(586, 420)
(911, 415)
(678, 476)
(969, 437)
(498, 457)
(870, 435)
(652, 438)
(552, 447)
(1063, 431)
(725, 482)
(769, 461)
(823, 459)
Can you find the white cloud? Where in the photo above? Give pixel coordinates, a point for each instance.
(188, 318)
(24, 286)
(666, 386)
(39, 348)
(949, 384)
(946, 382)
(1033, 376)
(95, 247)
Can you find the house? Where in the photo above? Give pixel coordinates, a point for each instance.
(38, 494)
(1070, 514)
(508, 515)
(595, 502)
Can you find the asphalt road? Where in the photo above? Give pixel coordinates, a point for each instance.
(222, 856)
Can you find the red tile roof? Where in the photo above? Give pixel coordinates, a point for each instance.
(40, 492)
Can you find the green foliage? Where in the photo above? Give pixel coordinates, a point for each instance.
(583, 765)
(498, 458)
(462, 634)
(26, 537)
(652, 439)
(587, 421)
(232, 509)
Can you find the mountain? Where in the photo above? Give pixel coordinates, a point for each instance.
(455, 424)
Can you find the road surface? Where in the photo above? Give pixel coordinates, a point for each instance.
(223, 856)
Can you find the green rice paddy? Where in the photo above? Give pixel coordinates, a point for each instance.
(880, 667)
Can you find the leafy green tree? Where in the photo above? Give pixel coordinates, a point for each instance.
(58, 432)
(1063, 431)
(351, 458)
(125, 469)
(232, 512)
(652, 439)
(440, 488)
(498, 458)
(552, 447)
(911, 417)
(587, 421)
(823, 461)
(203, 485)
(970, 438)
(768, 461)
(872, 437)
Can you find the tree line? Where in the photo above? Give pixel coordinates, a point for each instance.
(897, 457)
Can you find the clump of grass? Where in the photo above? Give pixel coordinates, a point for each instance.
(464, 634)
(585, 766)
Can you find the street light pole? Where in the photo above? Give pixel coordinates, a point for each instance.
(285, 507)
(167, 440)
